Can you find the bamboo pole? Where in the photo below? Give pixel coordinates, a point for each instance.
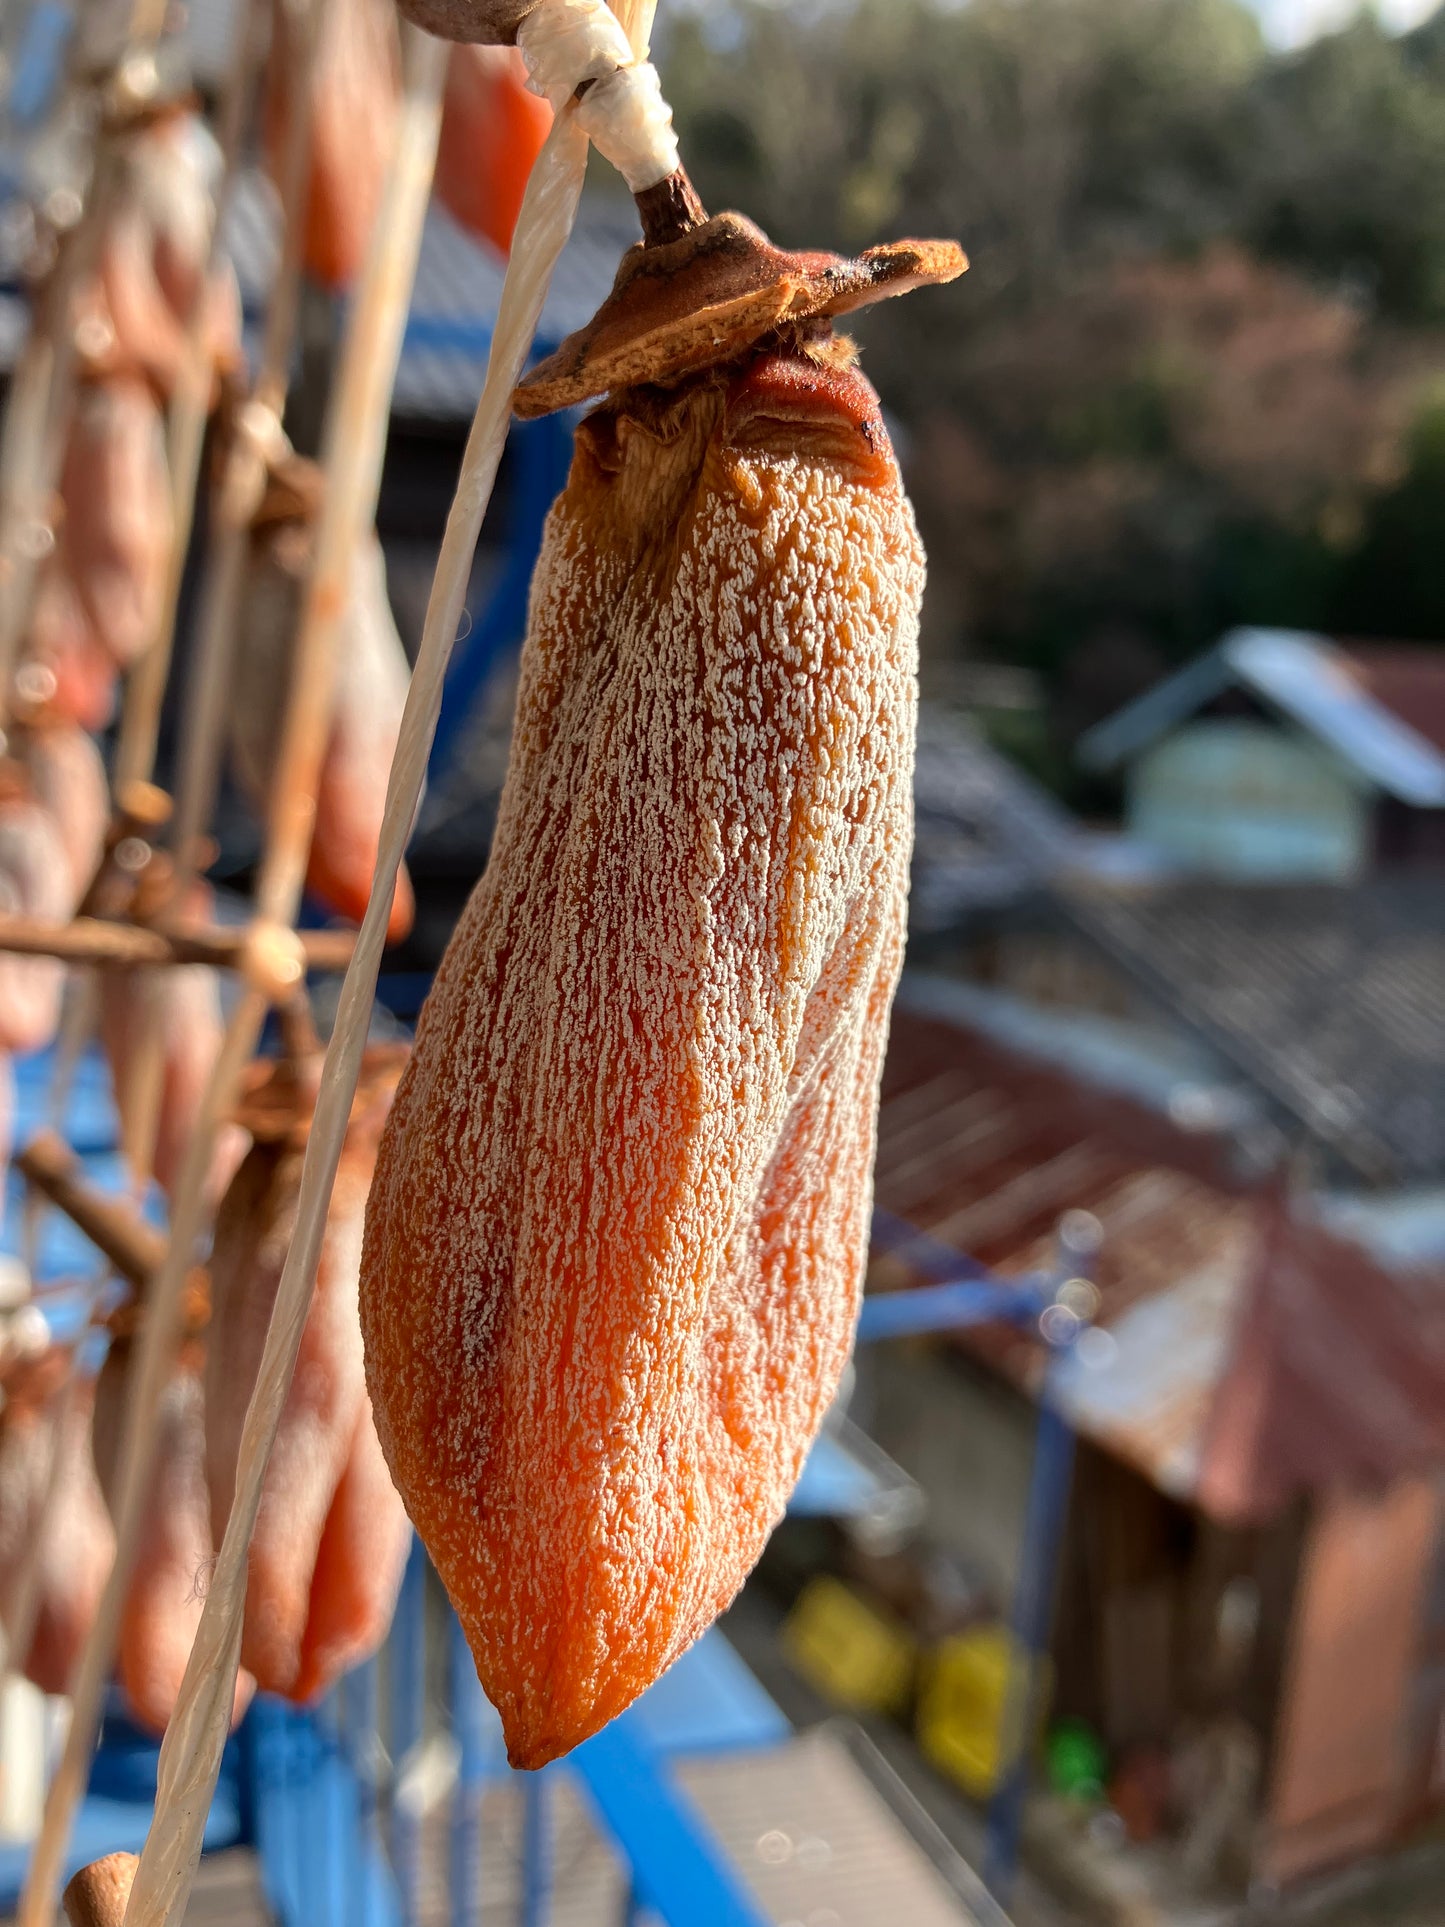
(150, 1371)
(33, 450)
(26, 535)
(36, 415)
(139, 1102)
(79, 1015)
(258, 433)
(135, 754)
(191, 1751)
(43, 398)
(135, 1248)
(355, 443)
(93, 940)
(351, 458)
(257, 437)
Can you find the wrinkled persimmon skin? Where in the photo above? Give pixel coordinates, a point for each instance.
(616, 1238)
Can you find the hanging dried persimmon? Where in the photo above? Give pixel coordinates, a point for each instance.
(615, 1244)
(35, 881)
(54, 1528)
(370, 695)
(67, 652)
(355, 94)
(331, 1539)
(53, 809)
(181, 1009)
(173, 1559)
(67, 777)
(134, 313)
(116, 536)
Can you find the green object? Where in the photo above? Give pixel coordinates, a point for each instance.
(1078, 1760)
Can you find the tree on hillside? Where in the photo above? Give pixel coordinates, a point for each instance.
(1176, 388)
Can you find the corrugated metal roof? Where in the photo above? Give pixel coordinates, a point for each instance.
(1318, 685)
(1210, 1301)
(1403, 1228)
(1312, 681)
(458, 286)
(1164, 1069)
(1336, 1374)
(454, 303)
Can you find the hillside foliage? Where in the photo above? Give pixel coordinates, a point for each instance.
(1196, 374)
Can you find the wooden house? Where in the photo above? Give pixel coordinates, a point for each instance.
(1281, 755)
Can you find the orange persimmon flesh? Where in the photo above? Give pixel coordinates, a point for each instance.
(615, 1243)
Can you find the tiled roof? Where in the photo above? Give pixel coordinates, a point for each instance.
(1329, 997)
(986, 833)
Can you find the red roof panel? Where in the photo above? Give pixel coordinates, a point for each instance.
(1250, 1356)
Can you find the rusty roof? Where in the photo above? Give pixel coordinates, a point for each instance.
(1213, 1300)
(1407, 680)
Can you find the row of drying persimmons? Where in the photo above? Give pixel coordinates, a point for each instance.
(332, 1536)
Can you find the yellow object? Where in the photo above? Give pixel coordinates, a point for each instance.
(963, 1703)
(854, 1654)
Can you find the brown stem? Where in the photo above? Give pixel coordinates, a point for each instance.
(669, 210)
(93, 940)
(98, 1894)
(136, 1248)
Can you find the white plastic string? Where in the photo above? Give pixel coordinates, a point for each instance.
(568, 44)
(191, 1753)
